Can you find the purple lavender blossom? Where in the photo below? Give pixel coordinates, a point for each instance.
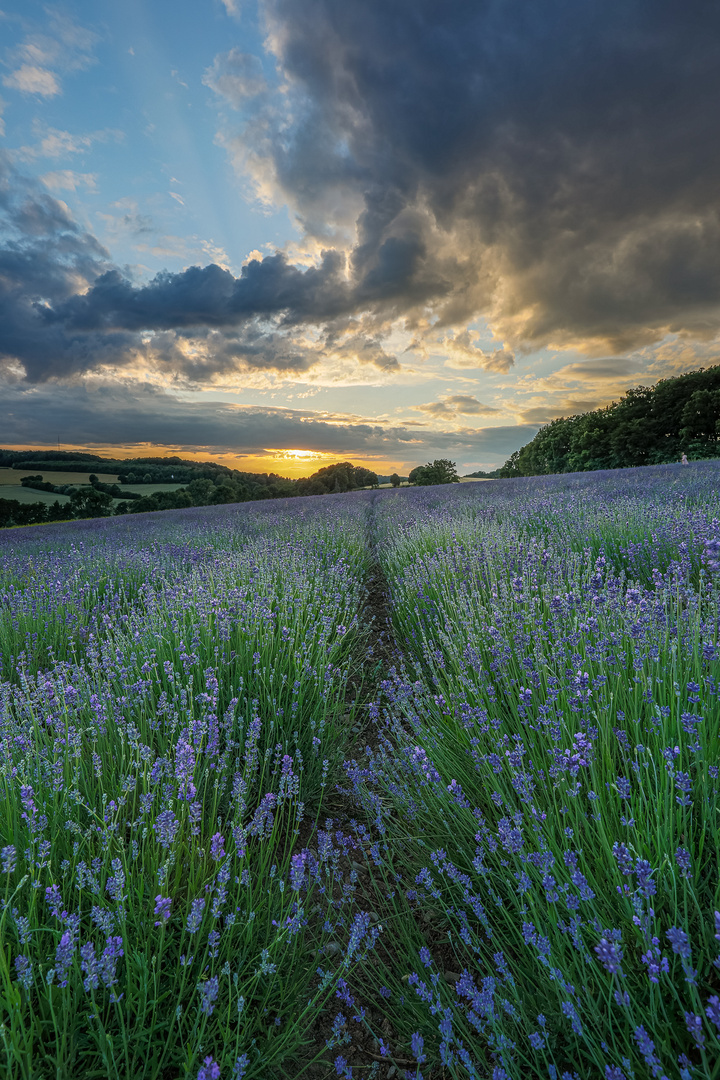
(610, 956)
(195, 916)
(217, 847)
(713, 1011)
(209, 1070)
(184, 769)
(116, 883)
(89, 967)
(208, 990)
(570, 1011)
(240, 1067)
(711, 556)
(656, 963)
(107, 963)
(417, 1046)
(297, 870)
(166, 826)
(162, 909)
(646, 1047)
(679, 941)
(54, 901)
(64, 957)
(643, 872)
(682, 858)
(23, 971)
(624, 858)
(695, 1027)
(8, 859)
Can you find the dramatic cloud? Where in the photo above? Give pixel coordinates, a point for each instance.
(550, 175)
(556, 171)
(66, 309)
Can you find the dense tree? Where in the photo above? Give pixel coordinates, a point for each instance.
(87, 502)
(648, 426)
(440, 471)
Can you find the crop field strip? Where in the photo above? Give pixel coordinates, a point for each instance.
(511, 872)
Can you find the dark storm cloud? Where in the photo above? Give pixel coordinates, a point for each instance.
(568, 152)
(124, 414)
(66, 309)
(553, 168)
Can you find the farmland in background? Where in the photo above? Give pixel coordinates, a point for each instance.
(12, 490)
(13, 477)
(422, 779)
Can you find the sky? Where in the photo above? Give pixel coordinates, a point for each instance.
(282, 233)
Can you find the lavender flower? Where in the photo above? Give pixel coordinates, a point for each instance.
(23, 970)
(54, 901)
(656, 963)
(240, 1067)
(166, 826)
(89, 967)
(8, 859)
(209, 990)
(679, 941)
(195, 916)
(209, 1070)
(217, 847)
(682, 858)
(711, 556)
(713, 1011)
(610, 955)
(297, 870)
(64, 957)
(695, 1027)
(643, 872)
(162, 909)
(646, 1047)
(570, 1011)
(116, 883)
(108, 961)
(417, 1046)
(184, 770)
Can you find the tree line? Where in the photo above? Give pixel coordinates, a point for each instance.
(648, 426)
(224, 485)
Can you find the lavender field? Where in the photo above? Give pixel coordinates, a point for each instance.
(416, 783)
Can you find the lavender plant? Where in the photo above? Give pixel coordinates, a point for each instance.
(545, 794)
(525, 883)
(162, 780)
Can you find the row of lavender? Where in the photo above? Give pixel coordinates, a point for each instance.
(546, 784)
(536, 827)
(174, 703)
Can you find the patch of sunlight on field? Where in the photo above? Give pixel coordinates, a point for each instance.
(14, 476)
(29, 495)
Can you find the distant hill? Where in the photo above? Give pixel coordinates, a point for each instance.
(648, 426)
(203, 483)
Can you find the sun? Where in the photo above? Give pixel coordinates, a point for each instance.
(298, 455)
